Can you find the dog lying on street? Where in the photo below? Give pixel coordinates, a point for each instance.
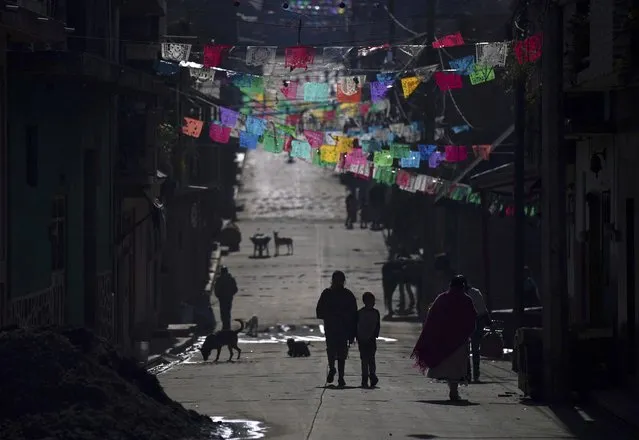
(218, 340)
(298, 348)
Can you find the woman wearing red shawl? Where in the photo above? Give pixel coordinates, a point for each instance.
(442, 347)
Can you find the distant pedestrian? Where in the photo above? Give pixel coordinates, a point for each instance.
(225, 290)
(368, 326)
(351, 210)
(442, 348)
(531, 292)
(483, 320)
(337, 306)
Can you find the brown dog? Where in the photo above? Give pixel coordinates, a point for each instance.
(220, 339)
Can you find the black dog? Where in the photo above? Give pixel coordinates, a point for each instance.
(298, 348)
(219, 340)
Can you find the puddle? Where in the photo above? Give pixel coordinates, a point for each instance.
(228, 429)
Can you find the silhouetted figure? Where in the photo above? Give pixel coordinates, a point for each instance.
(483, 320)
(337, 306)
(368, 326)
(351, 210)
(364, 215)
(225, 290)
(531, 292)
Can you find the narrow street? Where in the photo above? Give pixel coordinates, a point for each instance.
(287, 394)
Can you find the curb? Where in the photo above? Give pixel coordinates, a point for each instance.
(157, 359)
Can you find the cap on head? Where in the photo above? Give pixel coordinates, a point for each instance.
(458, 281)
(224, 270)
(368, 298)
(338, 278)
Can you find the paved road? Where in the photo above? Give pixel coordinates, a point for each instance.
(288, 394)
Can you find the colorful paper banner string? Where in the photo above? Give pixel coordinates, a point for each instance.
(426, 73)
(192, 127)
(463, 66)
(455, 153)
(411, 161)
(439, 133)
(481, 74)
(449, 41)
(301, 149)
(176, 52)
(166, 68)
(398, 151)
(328, 154)
(403, 179)
(379, 90)
(356, 157)
(218, 133)
(491, 54)
(331, 137)
(293, 119)
(228, 117)
(202, 75)
(255, 125)
(314, 138)
(248, 140)
(214, 53)
(529, 50)
(316, 91)
(460, 128)
(260, 55)
(383, 159)
(426, 150)
(448, 81)
(273, 142)
(371, 146)
(290, 90)
(299, 57)
(409, 85)
(344, 144)
(482, 151)
(348, 99)
(435, 159)
(384, 174)
(386, 77)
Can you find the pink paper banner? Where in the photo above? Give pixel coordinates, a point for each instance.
(449, 41)
(315, 138)
(220, 134)
(447, 81)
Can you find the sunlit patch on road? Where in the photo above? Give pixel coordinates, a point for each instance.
(228, 429)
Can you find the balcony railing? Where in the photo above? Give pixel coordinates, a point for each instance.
(46, 8)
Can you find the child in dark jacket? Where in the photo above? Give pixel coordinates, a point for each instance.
(368, 326)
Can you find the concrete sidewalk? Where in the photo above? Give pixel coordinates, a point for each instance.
(288, 395)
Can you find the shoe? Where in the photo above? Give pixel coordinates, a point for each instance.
(341, 383)
(374, 381)
(331, 376)
(364, 384)
(454, 397)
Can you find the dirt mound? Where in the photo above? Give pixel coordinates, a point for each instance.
(68, 383)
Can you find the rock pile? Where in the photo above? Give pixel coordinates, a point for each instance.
(70, 384)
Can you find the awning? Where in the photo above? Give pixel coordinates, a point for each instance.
(477, 161)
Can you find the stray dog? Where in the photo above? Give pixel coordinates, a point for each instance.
(298, 348)
(219, 340)
(251, 327)
(283, 241)
(260, 244)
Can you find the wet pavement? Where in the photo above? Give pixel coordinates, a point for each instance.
(289, 397)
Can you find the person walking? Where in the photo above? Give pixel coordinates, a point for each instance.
(337, 307)
(225, 290)
(351, 210)
(483, 320)
(368, 326)
(442, 348)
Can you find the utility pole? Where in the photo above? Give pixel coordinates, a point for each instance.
(519, 191)
(553, 209)
(430, 248)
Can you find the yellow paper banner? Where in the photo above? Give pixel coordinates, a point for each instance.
(328, 153)
(344, 144)
(409, 85)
